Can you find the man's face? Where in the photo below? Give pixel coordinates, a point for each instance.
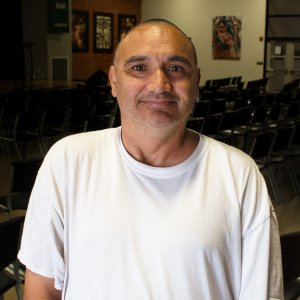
(155, 77)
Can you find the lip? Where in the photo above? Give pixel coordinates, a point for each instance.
(158, 102)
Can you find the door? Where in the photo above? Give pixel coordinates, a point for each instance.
(283, 63)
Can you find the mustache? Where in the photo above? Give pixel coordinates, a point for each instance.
(158, 96)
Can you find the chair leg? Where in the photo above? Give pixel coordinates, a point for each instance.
(18, 279)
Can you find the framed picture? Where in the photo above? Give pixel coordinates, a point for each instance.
(125, 23)
(80, 31)
(103, 32)
(226, 42)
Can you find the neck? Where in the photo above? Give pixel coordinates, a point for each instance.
(160, 147)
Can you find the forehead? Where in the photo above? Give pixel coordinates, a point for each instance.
(155, 41)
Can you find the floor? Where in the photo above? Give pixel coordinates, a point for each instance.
(288, 212)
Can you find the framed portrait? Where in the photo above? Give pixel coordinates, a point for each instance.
(80, 31)
(103, 32)
(125, 23)
(226, 42)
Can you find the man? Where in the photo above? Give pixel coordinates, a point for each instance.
(150, 210)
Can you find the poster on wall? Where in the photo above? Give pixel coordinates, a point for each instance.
(80, 31)
(125, 24)
(103, 32)
(58, 16)
(226, 37)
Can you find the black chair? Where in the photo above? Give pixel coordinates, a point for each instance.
(99, 122)
(280, 152)
(22, 178)
(78, 118)
(10, 232)
(211, 125)
(104, 108)
(240, 102)
(258, 119)
(292, 113)
(201, 108)
(53, 126)
(260, 150)
(195, 124)
(290, 249)
(25, 128)
(217, 106)
(226, 130)
(242, 122)
(274, 115)
(294, 152)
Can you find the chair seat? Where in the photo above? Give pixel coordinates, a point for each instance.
(6, 282)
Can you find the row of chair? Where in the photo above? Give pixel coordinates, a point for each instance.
(272, 130)
(45, 121)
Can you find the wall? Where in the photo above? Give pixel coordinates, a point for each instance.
(35, 32)
(85, 64)
(195, 18)
(45, 44)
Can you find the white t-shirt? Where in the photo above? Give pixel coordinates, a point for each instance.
(108, 227)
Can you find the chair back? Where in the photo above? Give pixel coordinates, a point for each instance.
(211, 124)
(262, 146)
(201, 108)
(284, 139)
(23, 174)
(10, 232)
(290, 249)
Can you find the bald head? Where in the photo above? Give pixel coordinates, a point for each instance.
(154, 23)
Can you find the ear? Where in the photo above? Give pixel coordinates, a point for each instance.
(112, 80)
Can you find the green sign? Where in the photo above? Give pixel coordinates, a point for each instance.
(58, 15)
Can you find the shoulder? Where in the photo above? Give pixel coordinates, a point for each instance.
(76, 151)
(82, 142)
(223, 152)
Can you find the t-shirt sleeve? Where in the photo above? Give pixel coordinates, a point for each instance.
(261, 252)
(43, 237)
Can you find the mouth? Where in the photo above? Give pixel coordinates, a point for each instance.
(158, 104)
(159, 101)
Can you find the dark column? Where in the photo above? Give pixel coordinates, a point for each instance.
(11, 43)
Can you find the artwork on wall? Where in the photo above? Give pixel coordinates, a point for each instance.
(80, 31)
(103, 32)
(227, 37)
(126, 22)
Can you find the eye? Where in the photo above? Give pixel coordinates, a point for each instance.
(176, 68)
(139, 68)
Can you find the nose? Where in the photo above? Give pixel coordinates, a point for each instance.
(159, 81)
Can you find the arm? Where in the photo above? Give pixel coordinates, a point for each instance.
(261, 263)
(261, 254)
(38, 287)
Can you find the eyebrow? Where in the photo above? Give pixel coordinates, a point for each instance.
(174, 58)
(134, 59)
(180, 58)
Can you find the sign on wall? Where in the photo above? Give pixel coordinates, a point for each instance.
(58, 15)
(227, 37)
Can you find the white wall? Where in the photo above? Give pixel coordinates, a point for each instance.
(195, 18)
(59, 45)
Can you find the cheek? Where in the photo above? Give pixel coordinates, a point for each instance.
(187, 91)
(129, 90)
